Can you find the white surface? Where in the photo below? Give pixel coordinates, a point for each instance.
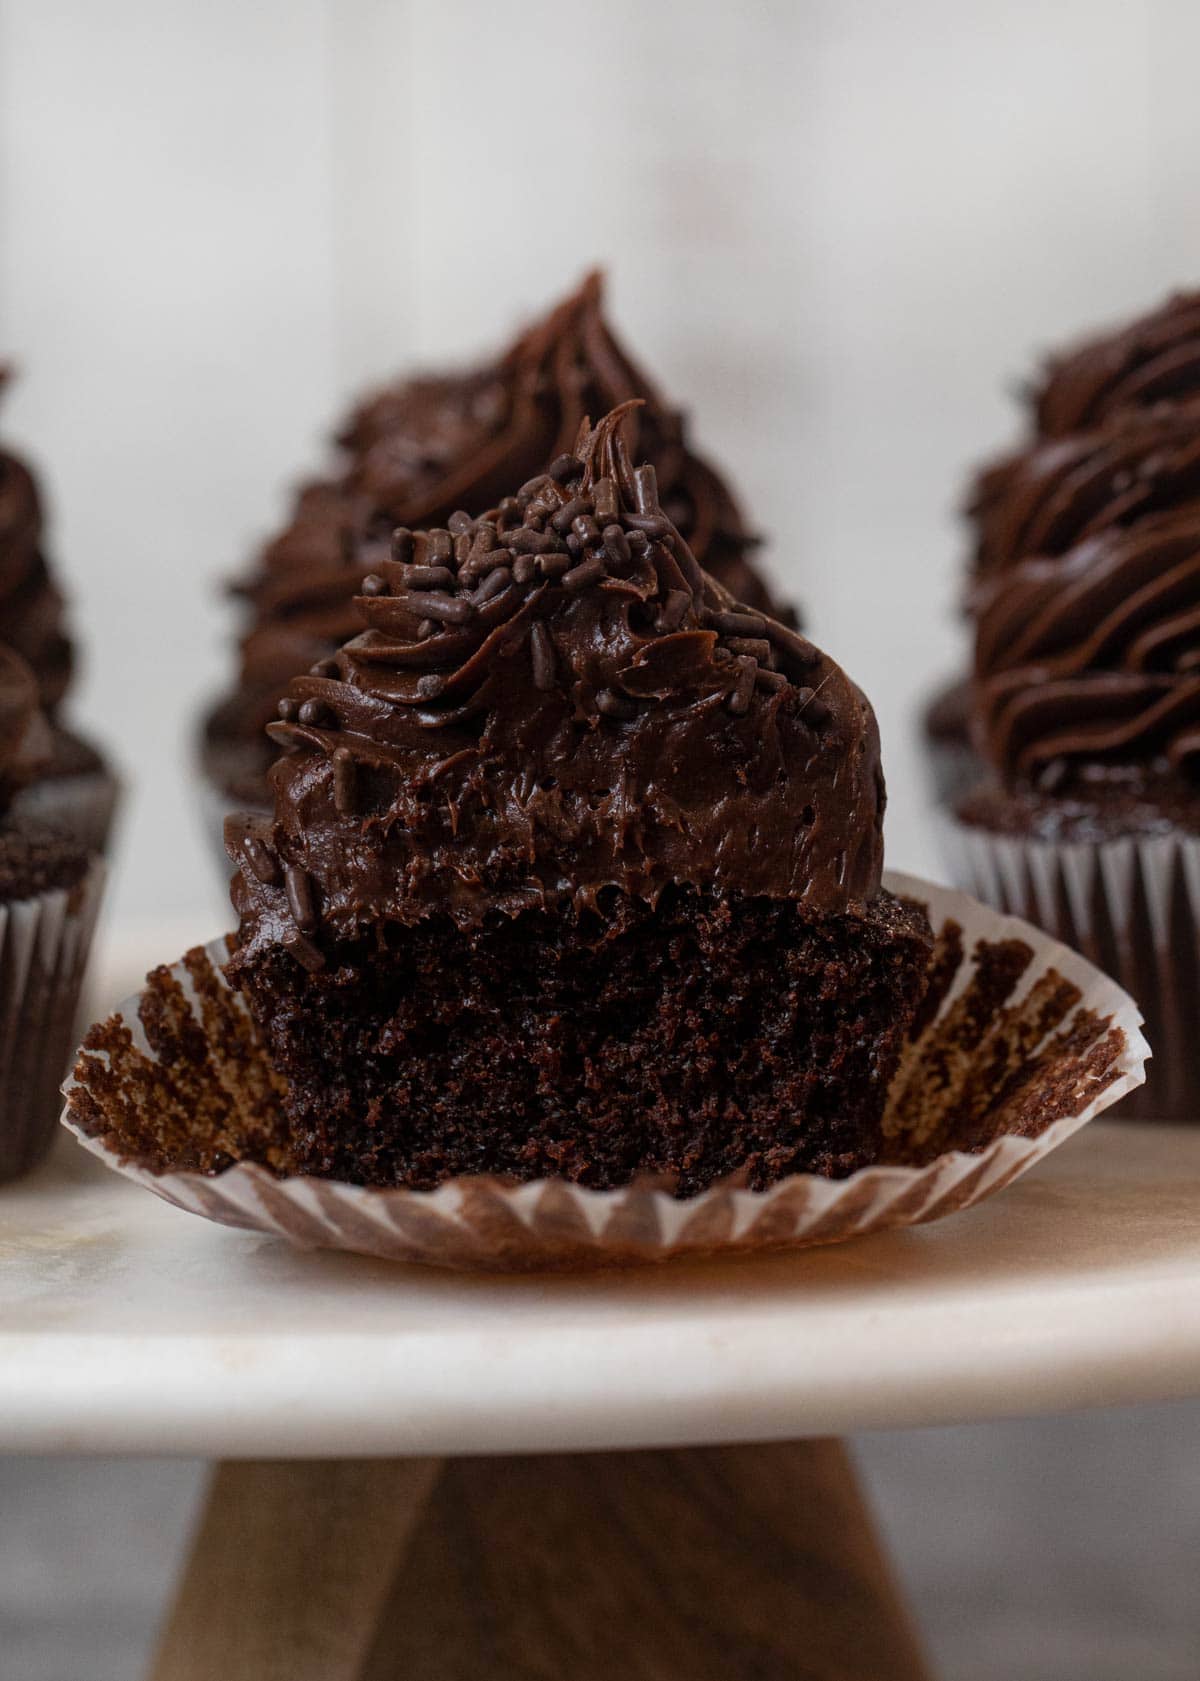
(128, 1327)
(838, 232)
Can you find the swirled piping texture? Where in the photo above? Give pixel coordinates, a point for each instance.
(418, 451)
(1154, 359)
(549, 701)
(31, 608)
(1087, 602)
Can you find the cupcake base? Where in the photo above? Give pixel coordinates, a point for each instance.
(77, 794)
(82, 806)
(700, 1036)
(1018, 1043)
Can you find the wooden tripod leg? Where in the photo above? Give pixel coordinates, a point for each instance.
(290, 1567)
(696, 1565)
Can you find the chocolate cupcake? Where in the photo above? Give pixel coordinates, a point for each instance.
(420, 450)
(75, 789)
(49, 895)
(574, 868)
(1086, 697)
(1036, 497)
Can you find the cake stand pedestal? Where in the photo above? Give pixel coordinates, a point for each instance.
(471, 1457)
(679, 1563)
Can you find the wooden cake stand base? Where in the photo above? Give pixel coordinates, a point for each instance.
(700, 1564)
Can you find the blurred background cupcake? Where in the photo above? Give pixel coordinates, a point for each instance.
(74, 789)
(412, 454)
(50, 888)
(1085, 696)
(1021, 503)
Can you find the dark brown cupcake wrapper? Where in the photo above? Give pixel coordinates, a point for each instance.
(44, 946)
(1022, 1043)
(1132, 907)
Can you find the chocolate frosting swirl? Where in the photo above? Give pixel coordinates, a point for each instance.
(1155, 359)
(548, 702)
(417, 451)
(31, 608)
(1087, 601)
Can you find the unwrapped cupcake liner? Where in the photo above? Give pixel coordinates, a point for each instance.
(1131, 906)
(83, 806)
(1020, 1042)
(44, 946)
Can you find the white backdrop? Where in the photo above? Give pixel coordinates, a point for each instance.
(838, 231)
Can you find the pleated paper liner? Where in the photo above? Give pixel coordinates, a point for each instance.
(1020, 1043)
(1132, 907)
(44, 945)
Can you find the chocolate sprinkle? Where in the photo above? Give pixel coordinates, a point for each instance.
(262, 862)
(345, 780)
(542, 649)
(300, 897)
(589, 571)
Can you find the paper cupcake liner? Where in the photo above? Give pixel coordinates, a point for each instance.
(84, 806)
(44, 945)
(1021, 1041)
(1132, 906)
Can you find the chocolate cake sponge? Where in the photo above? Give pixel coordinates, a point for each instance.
(709, 1034)
(574, 867)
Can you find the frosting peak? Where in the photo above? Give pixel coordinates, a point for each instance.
(420, 450)
(552, 700)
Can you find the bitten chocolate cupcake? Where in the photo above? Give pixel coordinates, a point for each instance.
(1086, 697)
(420, 450)
(574, 868)
(75, 789)
(49, 895)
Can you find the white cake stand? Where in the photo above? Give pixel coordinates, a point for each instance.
(418, 1476)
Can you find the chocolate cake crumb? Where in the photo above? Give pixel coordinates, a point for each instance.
(708, 1034)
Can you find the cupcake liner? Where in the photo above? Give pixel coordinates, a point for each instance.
(1132, 906)
(44, 945)
(1019, 1043)
(83, 805)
